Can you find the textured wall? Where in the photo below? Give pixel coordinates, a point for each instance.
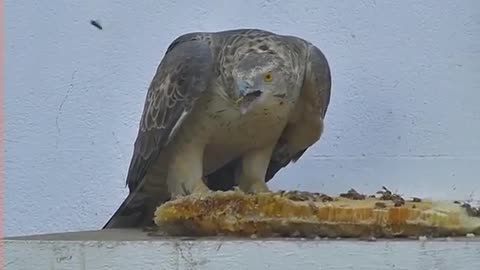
(404, 110)
(212, 254)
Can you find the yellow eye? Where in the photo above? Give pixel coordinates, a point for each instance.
(268, 77)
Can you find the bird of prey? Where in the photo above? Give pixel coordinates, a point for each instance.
(225, 109)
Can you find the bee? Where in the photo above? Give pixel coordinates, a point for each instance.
(96, 24)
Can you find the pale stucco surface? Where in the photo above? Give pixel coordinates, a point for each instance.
(404, 110)
(124, 249)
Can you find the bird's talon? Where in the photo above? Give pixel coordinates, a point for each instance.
(255, 188)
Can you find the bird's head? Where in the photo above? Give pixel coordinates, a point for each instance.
(258, 77)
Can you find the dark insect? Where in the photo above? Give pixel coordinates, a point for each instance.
(387, 195)
(471, 211)
(96, 24)
(415, 199)
(353, 194)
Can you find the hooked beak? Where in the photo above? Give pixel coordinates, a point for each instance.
(247, 96)
(244, 87)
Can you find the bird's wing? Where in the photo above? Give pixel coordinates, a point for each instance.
(182, 76)
(307, 126)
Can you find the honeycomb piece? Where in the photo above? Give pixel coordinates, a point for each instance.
(300, 214)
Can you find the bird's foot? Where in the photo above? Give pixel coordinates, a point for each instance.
(200, 188)
(254, 187)
(188, 188)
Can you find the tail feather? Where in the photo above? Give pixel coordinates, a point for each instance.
(136, 211)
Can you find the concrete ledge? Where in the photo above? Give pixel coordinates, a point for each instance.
(132, 249)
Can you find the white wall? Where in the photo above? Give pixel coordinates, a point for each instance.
(404, 110)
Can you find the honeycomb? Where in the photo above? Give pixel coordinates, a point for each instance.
(304, 214)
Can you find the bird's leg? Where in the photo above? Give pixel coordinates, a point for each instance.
(186, 170)
(254, 167)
